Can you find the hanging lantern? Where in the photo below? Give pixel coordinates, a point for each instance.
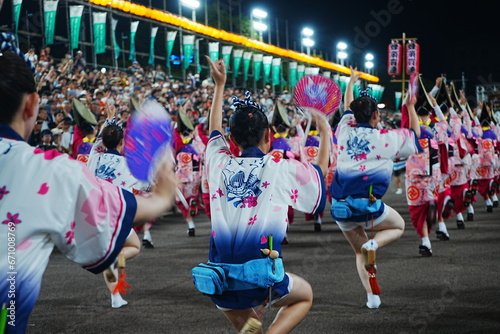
(394, 58)
(412, 58)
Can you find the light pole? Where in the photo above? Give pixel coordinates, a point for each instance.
(369, 62)
(306, 39)
(258, 25)
(341, 52)
(193, 4)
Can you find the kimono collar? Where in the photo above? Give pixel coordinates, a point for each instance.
(7, 132)
(252, 152)
(115, 152)
(428, 122)
(365, 125)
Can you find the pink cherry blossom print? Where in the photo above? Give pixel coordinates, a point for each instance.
(3, 192)
(295, 195)
(12, 219)
(25, 244)
(44, 189)
(265, 184)
(386, 145)
(250, 201)
(214, 234)
(70, 235)
(365, 177)
(252, 220)
(362, 168)
(263, 240)
(94, 208)
(219, 191)
(48, 155)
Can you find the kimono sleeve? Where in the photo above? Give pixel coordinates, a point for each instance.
(406, 141)
(305, 188)
(102, 217)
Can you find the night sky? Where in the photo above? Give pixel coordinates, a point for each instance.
(454, 36)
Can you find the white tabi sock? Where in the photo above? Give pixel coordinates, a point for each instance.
(373, 300)
(370, 245)
(442, 228)
(147, 236)
(460, 216)
(470, 209)
(191, 224)
(426, 242)
(494, 198)
(117, 301)
(488, 202)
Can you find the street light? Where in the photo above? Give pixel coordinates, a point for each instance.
(368, 62)
(306, 40)
(192, 4)
(258, 25)
(341, 53)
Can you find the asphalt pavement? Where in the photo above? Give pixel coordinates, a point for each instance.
(457, 290)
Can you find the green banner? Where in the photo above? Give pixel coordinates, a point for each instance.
(343, 83)
(398, 100)
(213, 50)
(114, 22)
(237, 56)
(226, 54)
(99, 32)
(49, 16)
(300, 71)
(133, 31)
(170, 44)
(257, 66)
(75, 21)
(276, 71)
(17, 13)
(151, 60)
(247, 59)
(197, 55)
(187, 47)
(267, 61)
(292, 74)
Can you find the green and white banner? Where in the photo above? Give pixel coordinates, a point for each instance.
(133, 31)
(213, 50)
(267, 61)
(300, 71)
(17, 13)
(99, 32)
(398, 100)
(49, 16)
(75, 21)
(237, 56)
(114, 22)
(187, 47)
(226, 54)
(151, 60)
(257, 66)
(247, 59)
(276, 71)
(327, 74)
(311, 71)
(197, 55)
(292, 73)
(171, 35)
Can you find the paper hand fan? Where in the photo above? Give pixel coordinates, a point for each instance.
(148, 135)
(319, 93)
(413, 85)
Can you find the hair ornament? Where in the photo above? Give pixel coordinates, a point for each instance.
(7, 43)
(237, 103)
(366, 93)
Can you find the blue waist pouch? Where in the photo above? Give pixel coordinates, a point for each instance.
(353, 207)
(215, 278)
